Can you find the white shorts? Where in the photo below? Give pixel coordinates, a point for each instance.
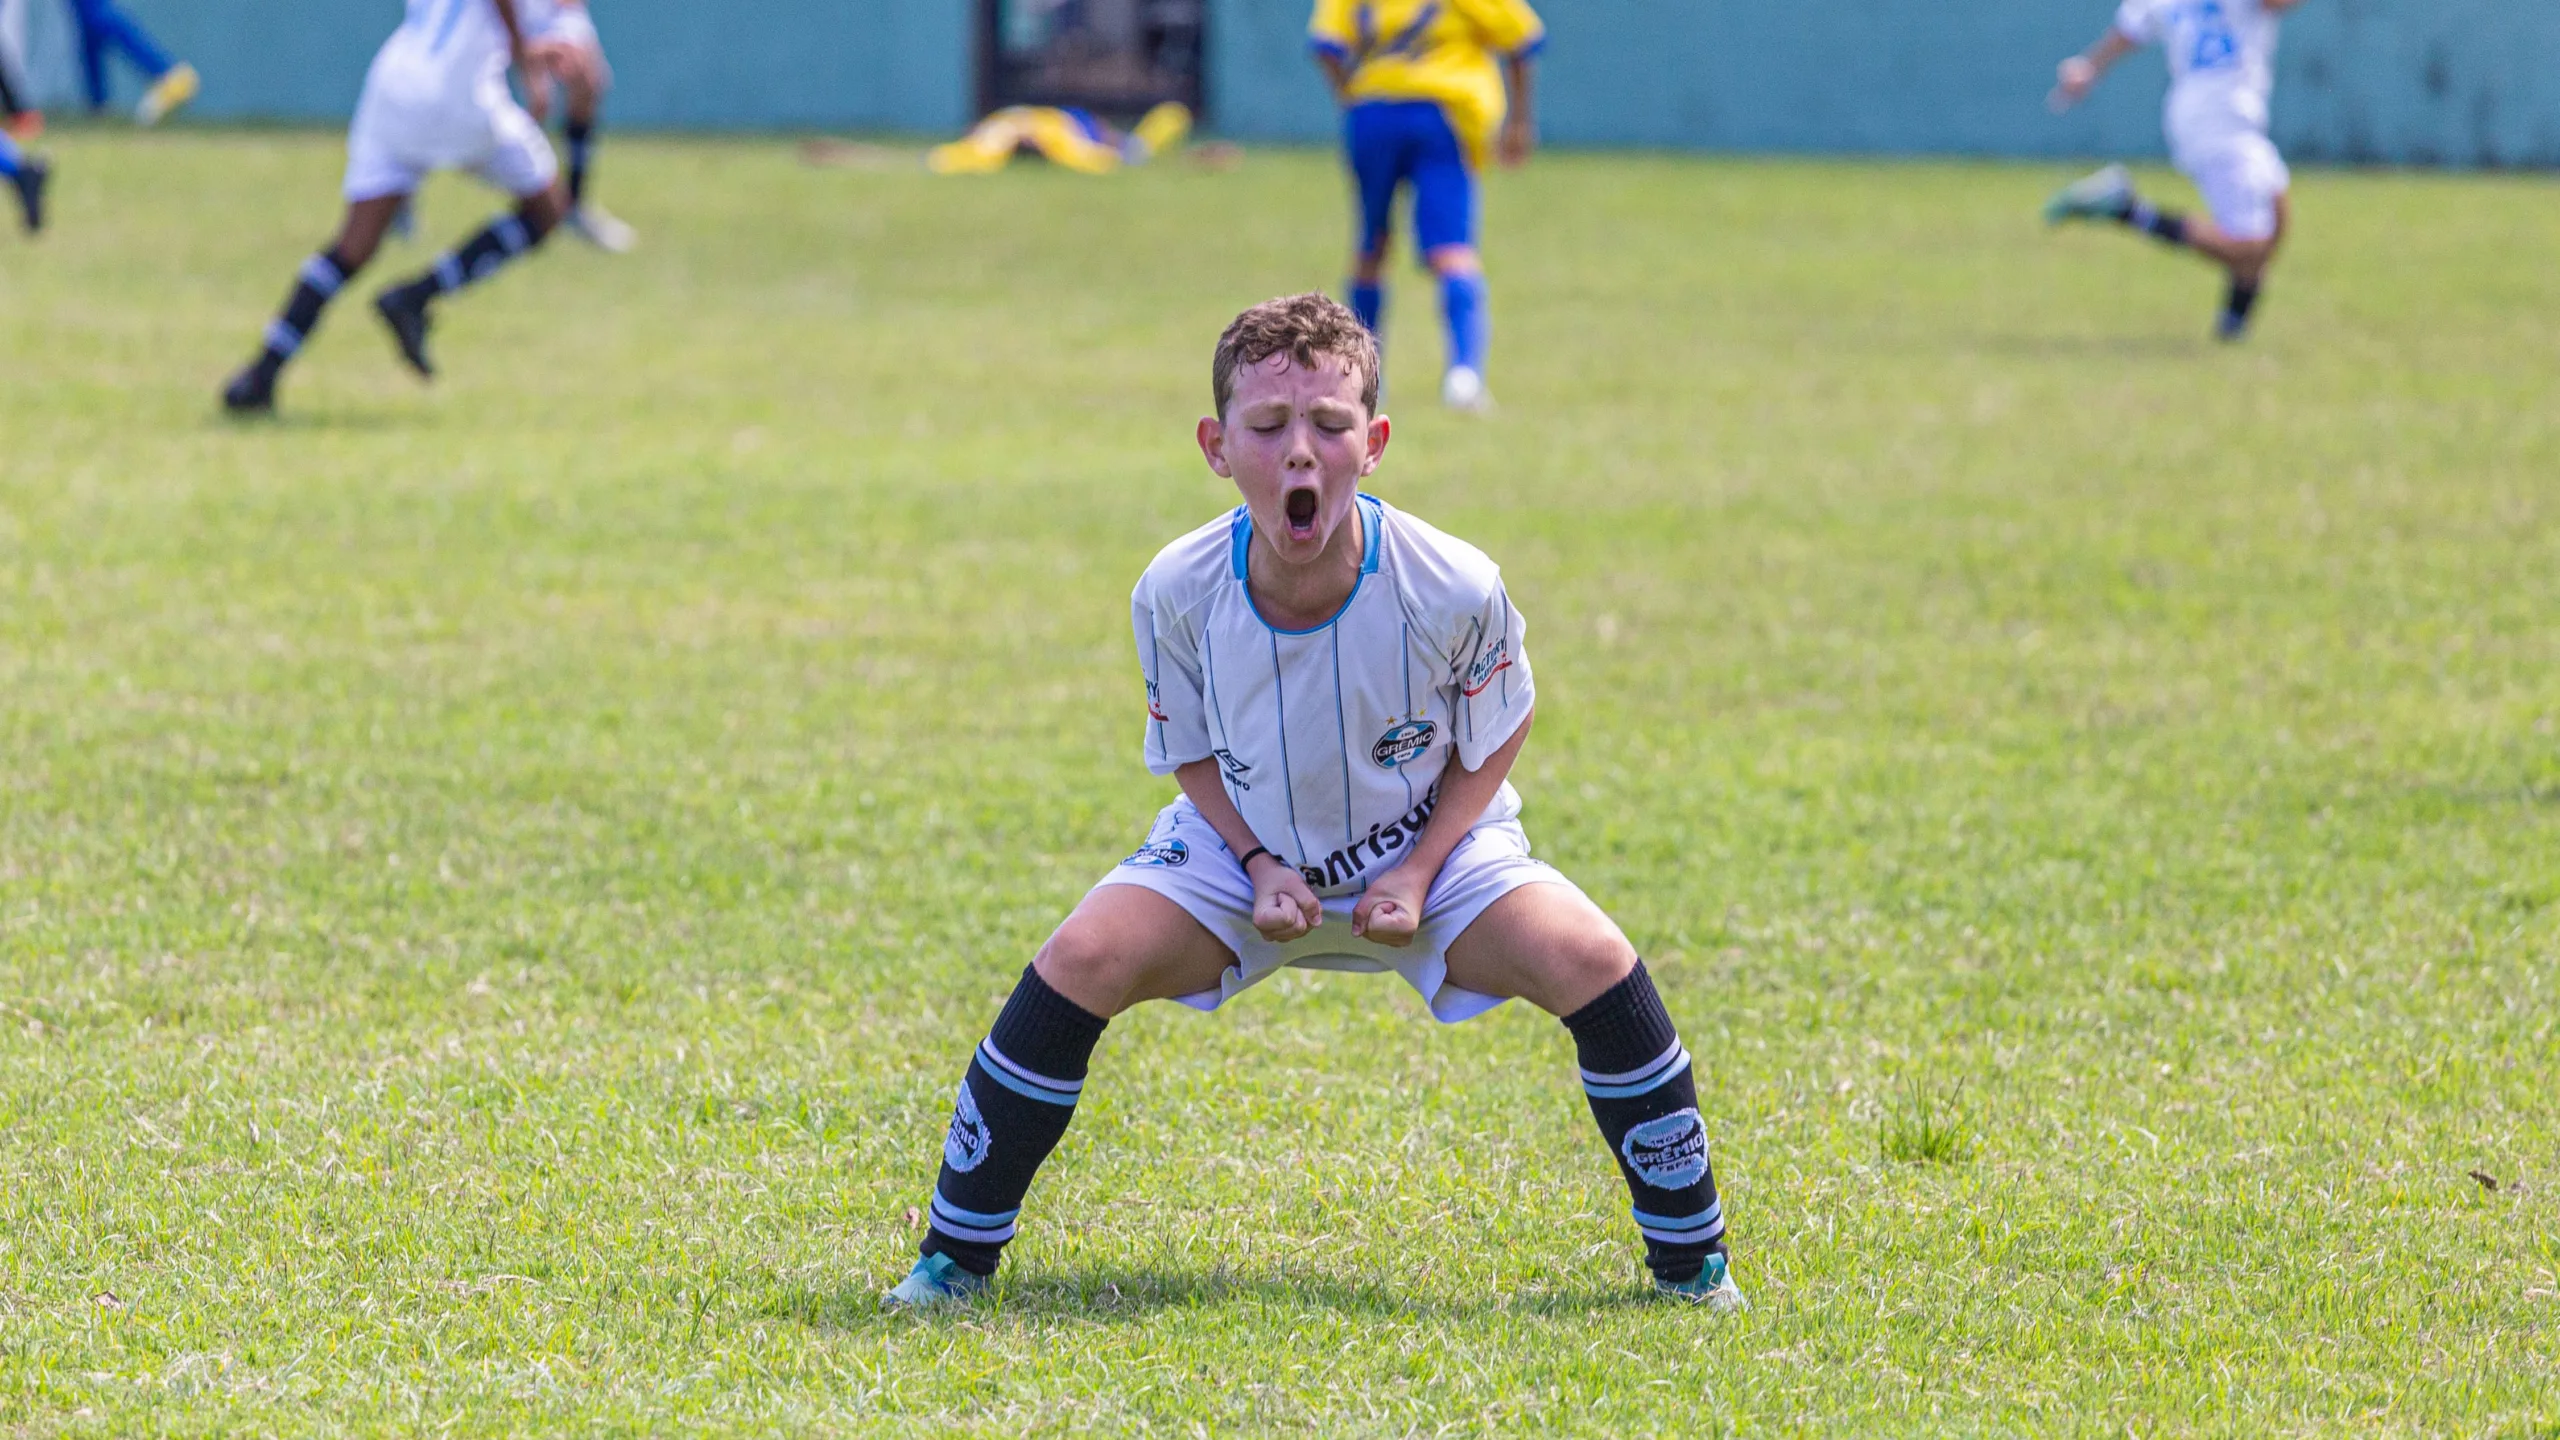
(1185, 862)
(408, 127)
(2240, 176)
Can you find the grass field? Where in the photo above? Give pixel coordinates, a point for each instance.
(497, 882)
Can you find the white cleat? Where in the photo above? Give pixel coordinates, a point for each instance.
(2101, 195)
(1463, 390)
(603, 229)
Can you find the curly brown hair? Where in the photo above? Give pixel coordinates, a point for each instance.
(1303, 327)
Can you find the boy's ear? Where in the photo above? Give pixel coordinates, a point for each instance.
(1213, 446)
(1378, 431)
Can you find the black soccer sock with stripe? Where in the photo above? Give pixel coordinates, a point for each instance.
(1636, 1073)
(1013, 1106)
(2238, 302)
(581, 135)
(2167, 226)
(479, 257)
(313, 289)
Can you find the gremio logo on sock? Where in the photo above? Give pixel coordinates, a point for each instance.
(1669, 1153)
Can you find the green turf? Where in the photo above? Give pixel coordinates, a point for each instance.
(497, 882)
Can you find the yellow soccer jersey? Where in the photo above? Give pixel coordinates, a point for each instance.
(1440, 50)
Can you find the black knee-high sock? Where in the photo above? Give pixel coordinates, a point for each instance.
(582, 142)
(2167, 226)
(479, 257)
(2236, 305)
(1014, 1103)
(1637, 1076)
(321, 276)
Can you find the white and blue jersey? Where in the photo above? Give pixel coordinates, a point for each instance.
(2222, 64)
(1331, 741)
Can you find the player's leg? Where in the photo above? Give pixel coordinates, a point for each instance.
(253, 389)
(26, 175)
(1549, 945)
(1123, 945)
(521, 164)
(2244, 185)
(585, 83)
(104, 27)
(1374, 147)
(1444, 227)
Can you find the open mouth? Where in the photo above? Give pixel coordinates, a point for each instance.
(1299, 509)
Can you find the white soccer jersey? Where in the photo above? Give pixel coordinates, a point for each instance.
(2222, 65)
(1332, 740)
(455, 42)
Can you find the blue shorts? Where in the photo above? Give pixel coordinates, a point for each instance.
(1393, 141)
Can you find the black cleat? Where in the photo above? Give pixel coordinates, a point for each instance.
(30, 180)
(251, 392)
(405, 311)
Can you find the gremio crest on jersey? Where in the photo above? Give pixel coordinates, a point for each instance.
(1404, 744)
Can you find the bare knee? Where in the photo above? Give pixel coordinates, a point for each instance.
(1454, 261)
(1584, 967)
(1369, 265)
(1080, 962)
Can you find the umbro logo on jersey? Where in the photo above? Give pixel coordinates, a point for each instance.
(1161, 854)
(1495, 659)
(1404, 744)
(1235, 768)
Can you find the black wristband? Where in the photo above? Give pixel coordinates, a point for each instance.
(1246, 863)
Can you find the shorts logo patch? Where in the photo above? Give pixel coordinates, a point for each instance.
(965, 1148)
(1669, 1153)
(1404, 744)
(1162, 853)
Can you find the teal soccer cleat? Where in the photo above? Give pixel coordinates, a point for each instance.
(2105, 195)
(936, 1281)
(1713, 1288)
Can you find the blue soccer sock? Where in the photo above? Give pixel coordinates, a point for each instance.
(1637, 1076)
(1014, 1105)
(1463, 312)
(1369, 302)
(8, 158)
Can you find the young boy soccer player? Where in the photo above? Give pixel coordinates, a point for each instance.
(1340, 691)
(1423, 102)
(435, 99)
(26, 175)
(2222, 56)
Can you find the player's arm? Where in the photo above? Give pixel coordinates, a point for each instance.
(1390, 910)
(2278, 7)
(537, 95)
(1284, 908)
(2077, 76)
(1519, 124)
(1331, 33)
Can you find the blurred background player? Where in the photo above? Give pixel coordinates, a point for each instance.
(26, 175)
(2222, 72)
(19, 118)
(1423, 88)
(1072, 138)
(562, 36)
(435, 99)
(106, 29)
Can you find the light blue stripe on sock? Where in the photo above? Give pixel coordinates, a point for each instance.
(1024, 1088)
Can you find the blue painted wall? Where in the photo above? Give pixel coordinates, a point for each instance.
(2415, 81)
(678, 64)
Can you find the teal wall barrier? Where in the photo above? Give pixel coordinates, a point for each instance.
(678, 64)
(2454, 82)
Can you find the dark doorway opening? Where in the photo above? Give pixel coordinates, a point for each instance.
(1115, 58)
